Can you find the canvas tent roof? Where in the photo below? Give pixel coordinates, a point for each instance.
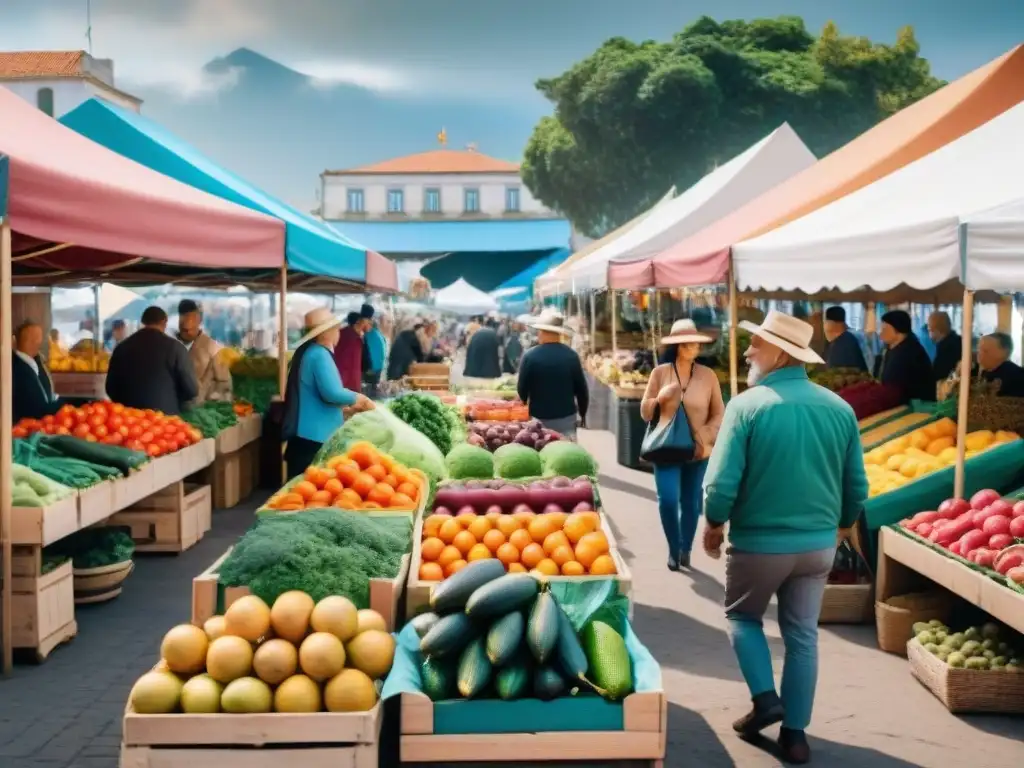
(464, 299)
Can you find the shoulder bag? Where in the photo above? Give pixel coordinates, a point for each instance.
(669, 441)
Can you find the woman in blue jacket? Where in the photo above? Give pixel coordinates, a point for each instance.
(314, 395)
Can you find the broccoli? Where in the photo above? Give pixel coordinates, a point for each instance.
(321, 552)
(428, 415)
(94, 547)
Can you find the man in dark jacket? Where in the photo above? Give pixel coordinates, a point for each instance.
(31, 384)
(483, 358)
(843, 348)
(405, 351)
(906, 365)
(151, 370)
(948, 349)
(994, 352)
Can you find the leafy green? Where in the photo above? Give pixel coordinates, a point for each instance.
(427, 414)
(94, 547)
(211, 418)
(320, 552)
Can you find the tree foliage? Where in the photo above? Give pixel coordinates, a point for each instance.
(632, 119)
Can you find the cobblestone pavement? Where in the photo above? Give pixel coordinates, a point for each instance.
(66, 713)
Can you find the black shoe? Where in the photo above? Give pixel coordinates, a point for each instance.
(684, 559)
(767, 711)
(794, 746)
(673, 565)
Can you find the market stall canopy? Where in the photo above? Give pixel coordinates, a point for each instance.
(462, 298)
(554, 280)
(905, 137)
(311, 246)
(69, 305)
(909, 227)
(777, 157)
(426, 238)
(524, 280)
(78, 210)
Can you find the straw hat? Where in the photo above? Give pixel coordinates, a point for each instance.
(685, 332)
(550, 320)
(316, 322)
(789, 334)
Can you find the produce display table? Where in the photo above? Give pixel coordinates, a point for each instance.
(902, 563)
(235, 470)
(42, 526)
(43, 605)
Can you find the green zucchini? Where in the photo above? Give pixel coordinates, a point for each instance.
(513, 682)
(115, 456)
(608, 657)
(452, 593)
(424, 623)
(542, 628)
(504, 638)
(474, 669)
(506, 593)
(569, 655)
(548, 684)
(448, 636)
(438, 679)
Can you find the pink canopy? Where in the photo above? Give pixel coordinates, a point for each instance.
(65, 189)
(381, 273)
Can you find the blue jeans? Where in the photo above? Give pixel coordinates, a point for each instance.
(680, 502)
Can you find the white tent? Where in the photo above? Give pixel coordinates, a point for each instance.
(462, 298)
(771, 161)
(556, 280)
(906, 227)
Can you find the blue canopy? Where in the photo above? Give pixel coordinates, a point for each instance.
(482, 236)
(526, 278)
(311, 246)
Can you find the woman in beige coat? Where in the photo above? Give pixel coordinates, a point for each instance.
(680, 486)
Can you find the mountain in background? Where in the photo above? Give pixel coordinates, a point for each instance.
(279, 129)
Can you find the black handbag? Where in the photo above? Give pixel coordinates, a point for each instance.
(669, 442)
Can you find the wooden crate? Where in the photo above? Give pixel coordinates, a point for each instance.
(43, 605)
(417, 591)
(171, 520)
(91, 385)
(95, 504)
(643, 737)
(385, 594)
(41, 526)
(320, 740)
(134, 488)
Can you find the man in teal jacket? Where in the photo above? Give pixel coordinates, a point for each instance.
(787, 475)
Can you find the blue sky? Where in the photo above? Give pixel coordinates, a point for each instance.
(470, 64)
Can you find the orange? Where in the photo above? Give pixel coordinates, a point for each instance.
(553, 541)
(540, 528)
(431, 572)
(431, 548)
(478, 552)
(479, 526)
(576, 527)
(381, 493)
(449, 529)
(466, 518)
(494, 539)
(547, 567)
(464, 541)
(508, 554)
(433, 524)
(391, 480)
(386, 461)
(363, 484)
(598, 540)
(454, 567)
(401, 501)
(493, 517)
(322, 499)
(349, 499)
(377, 472)
(335, 461)
(507, 524)
(305, 489)
(586, 552)
(572, 568)
(558, 518)
(516, 568)
(347, 474)
(562, 555)
(603, 565)
(520, 537)
(371, 505)
(401, 473)
(409, 489)
(289, 499)
(363, 454)
(593, 517)
(448, 556)
(531, 555)
(524, 517)
(334, 487)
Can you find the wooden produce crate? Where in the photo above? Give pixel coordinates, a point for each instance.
(967, 690)
(92, 385)
(171, 520)
(40, 526)
(643, 737)
(273, 740)
(132, 489)
(210, 598)
(95, 504)
(232, 475)
(43, 605)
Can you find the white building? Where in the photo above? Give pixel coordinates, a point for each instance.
(58, 81)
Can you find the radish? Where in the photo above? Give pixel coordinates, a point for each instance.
(955, 547)
(996, 524)
(1001, 507)
(951, 508)
(1011, 557)
(924, 517)
(1016, 575)
(984, 557)
(1018, 509)
(1000, 541)
(980, 517)
(983, 498)
(1017, 527)
(924, 529)
(946, 535)
(971, 540)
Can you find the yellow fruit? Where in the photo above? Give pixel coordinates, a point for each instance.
(275, 660)
(184, 649)
(944, 427)
(246, 695)
(247, 617)
(337, 615)
(893, 462)
(948, 455)
(350, 691)
(1002, 436)
(369, 619)
(321, 656)
(229, 658)
(290, 615)
(214, 627)
(297, 694)
(156, 693)
(980, 440)
(201, 695)
(909, 467)
(372, 652)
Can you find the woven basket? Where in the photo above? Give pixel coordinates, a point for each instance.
(967, 690)
(847, 604)
(986, 410)
(97, 585)
(896, 617)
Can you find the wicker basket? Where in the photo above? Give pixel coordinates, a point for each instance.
(847, 604)
(967, 690)
(896, 617)
(98, 585)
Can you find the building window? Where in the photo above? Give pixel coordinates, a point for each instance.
(44, 100)
(355, 201)
(472, 200)
(512, 199)
(432, 200)
(396, 201)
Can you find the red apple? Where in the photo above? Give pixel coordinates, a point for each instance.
(1000, 541)
(1017, 527)
(996, 524)
(982, 499)
(951, 508)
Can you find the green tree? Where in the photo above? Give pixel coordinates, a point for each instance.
(632, 119)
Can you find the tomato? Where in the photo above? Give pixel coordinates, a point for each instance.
(19, 432)
(66, 412)
(63, 431)
(67, 422)
(117, 408)
(81, 431)
(146, 438)
(134, 431)
(135, 445)
(169, 430)
(48, 420)
(100, 431)
(91, 439)
(115, 422)
(153, 450)
(195, 435)
(165, 447)
(114, 438)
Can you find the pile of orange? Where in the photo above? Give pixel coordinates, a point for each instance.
(550, 544)
(362, 478)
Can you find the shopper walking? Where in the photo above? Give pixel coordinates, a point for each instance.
(551, 380)
(788, 477)
(680, 483)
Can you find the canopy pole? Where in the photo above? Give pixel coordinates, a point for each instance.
(97, 329)
(734, 384)
(652, 310)
(1004, 315)
(615, 323)
(965, 393)
(593, 321)
(6, 425)
(282, 331)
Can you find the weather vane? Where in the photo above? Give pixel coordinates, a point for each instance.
(442, 138)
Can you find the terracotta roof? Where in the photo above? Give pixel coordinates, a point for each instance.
(436, 161)
(19, 64)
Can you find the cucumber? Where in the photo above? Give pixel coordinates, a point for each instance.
(448, 636)
(569, 655)
(513, 682)
(438, 678)
(610, 667)
(548, 684)
(504, 638)
(474, 669)
(542, 628)
(452, 593)
(504, 594)
(424, 623)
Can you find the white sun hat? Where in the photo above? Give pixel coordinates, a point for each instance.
(550, 320)
(316, 322)
(685, 332)
(791, 335)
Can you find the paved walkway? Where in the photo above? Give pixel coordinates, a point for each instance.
(66, 713)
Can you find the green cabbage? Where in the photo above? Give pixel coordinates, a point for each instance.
(566, 458)
(467, 461)
(514, 461)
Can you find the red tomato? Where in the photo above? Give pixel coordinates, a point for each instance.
(66, 412)
(67, 422)
(96, 421)
(114, 438)
(115, 422)
(117, 408)
(146, 438)
(195, 435)
(48, 420)
(91, 439)
(63, 431)
(19, 432)
(153, 450)
(165, 446)
(134, 431)
(81, 430)
(169, 430)
(100, 431)
(135, 445)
